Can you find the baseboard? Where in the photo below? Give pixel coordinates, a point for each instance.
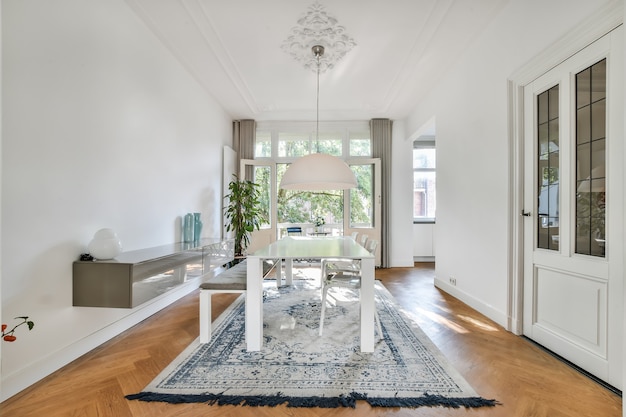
(494, 314)
(17, 382)
(423, 259)
(515, 326)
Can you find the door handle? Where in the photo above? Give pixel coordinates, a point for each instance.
(525, 214)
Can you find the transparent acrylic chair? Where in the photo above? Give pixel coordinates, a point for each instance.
(343, 274)
(329, 265)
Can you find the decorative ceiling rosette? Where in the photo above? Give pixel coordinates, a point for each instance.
(317, 27)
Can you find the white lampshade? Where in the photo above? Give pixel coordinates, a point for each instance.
(318, 171)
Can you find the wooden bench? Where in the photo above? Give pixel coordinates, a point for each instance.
(232, 280)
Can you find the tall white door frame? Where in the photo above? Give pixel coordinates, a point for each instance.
(603, 22)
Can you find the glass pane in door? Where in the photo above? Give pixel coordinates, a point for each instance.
(590, 160)
(548, 169)
(362, 197)
(263, 178)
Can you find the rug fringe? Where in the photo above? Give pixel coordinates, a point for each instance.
(428, 400)
(350, 400)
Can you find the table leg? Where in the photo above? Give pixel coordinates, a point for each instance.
(367, 305)
(254, 304)
(288, 271)
(279, 273)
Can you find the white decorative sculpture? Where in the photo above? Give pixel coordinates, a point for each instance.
(105, 244)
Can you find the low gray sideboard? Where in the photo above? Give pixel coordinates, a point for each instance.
(134, 277)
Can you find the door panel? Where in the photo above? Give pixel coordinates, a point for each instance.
(579, 319)
(573, 300)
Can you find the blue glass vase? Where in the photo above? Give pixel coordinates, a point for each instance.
(188, 228)
(197, 227)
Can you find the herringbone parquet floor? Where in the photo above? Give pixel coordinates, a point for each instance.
(526, 380)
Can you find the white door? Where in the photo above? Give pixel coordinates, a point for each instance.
(573, 202)
(264, 174)
(363, 213)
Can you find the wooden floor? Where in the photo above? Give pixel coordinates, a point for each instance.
(526, 380)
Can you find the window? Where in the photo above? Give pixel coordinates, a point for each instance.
(591, 160)
(424, 180)
(293, 144)
(263, 145)
(548, 169)
(286, 141)
(360, 143)
(329, 142)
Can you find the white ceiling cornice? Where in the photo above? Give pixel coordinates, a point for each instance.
(234, 49)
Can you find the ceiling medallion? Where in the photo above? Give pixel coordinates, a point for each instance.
(317, 27)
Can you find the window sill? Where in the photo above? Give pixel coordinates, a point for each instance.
(424, 221)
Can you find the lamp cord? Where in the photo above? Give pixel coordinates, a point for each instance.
(317, 125)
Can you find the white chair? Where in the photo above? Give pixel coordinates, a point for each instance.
(344, 274)
(363, 241)
(343, 280)
(294, 231)
(330, 265)
(371, 246)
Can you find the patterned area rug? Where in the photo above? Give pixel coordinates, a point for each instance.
(299, 368)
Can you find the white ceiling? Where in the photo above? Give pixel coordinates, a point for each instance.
(233, 48)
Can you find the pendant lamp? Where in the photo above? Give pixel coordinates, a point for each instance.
(318, 171)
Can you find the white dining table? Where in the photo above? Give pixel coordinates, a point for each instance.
(307, 247)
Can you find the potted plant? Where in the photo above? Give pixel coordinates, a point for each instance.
(243, 212)
(319, 223)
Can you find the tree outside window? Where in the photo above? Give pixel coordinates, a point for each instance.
(283, 143)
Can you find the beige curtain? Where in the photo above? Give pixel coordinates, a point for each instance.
(381, 130)
(244, 141)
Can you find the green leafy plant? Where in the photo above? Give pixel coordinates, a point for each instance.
(9, 336)
(243, 212)
(319, 221)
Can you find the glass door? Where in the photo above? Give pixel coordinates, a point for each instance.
(316, 213)
(573, 198)
(363, 214)
(262, 173)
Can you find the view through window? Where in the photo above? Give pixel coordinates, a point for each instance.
(424, 181)
(284, 143)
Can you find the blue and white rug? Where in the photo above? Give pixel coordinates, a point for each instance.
(299, 368)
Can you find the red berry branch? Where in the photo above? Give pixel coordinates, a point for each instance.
(8, 336)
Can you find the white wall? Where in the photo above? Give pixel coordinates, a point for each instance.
(423, 242)
(470, 105)
(1, 130)
(409, 242)
(102, 128)
(401, 216)
(624, 286)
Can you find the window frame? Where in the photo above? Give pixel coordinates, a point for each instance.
(343, 129)
(428, 143)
